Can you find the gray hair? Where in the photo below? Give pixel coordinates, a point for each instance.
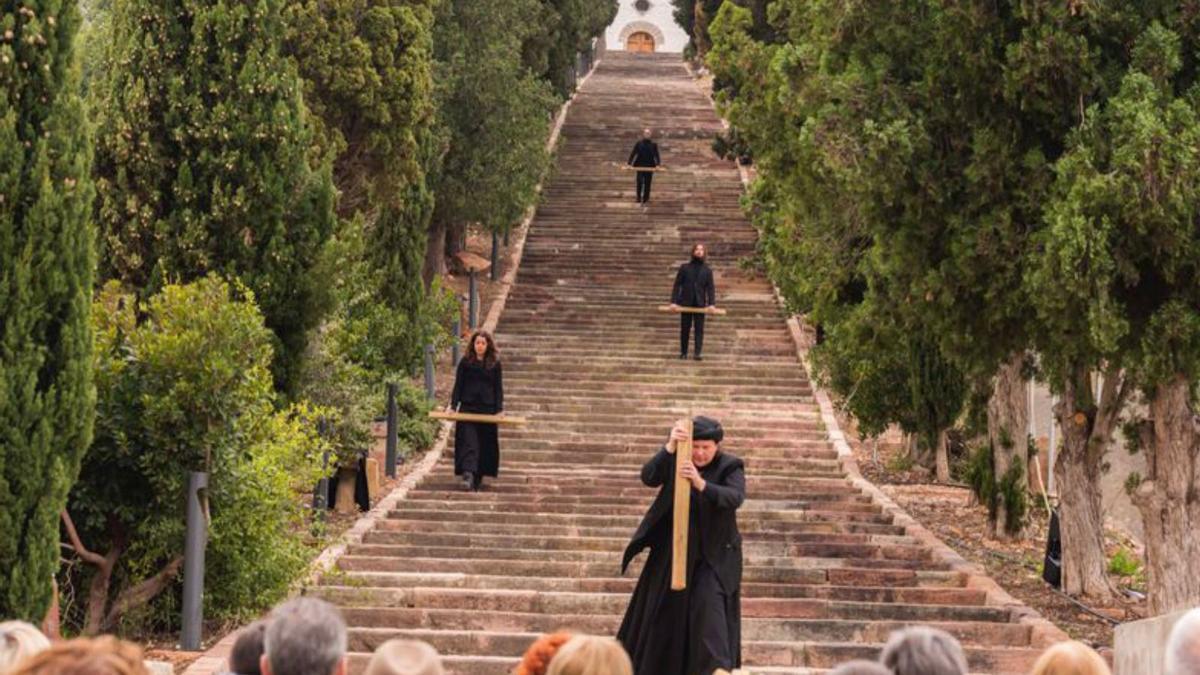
(306, 636)
(1183, 648)
(920, 650)
(860, 667)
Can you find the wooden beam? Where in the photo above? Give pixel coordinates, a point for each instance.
(477, 417)
(683, 500)
(680, 309)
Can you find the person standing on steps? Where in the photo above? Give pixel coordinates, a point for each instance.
(645, 153)
(695, 631)
(478, 388)
(693, 288)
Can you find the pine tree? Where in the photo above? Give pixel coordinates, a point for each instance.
(46, 268)
(205, 160)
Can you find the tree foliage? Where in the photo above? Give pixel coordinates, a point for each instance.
(205, 160)
(367, 68)
(494, 118)
(188, 388)
(46, 269)
(1006, 176)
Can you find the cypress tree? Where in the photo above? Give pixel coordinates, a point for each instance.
(367, 70)
(205, 160)
(46, 263)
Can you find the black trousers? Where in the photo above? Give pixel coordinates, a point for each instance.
(643, 185)
(686, 320)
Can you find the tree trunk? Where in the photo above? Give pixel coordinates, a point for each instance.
(942, 458)
(1169, 497)
(435, 251)
(1086, 430)
(1007, 420)
(52, 624)
(456, 237)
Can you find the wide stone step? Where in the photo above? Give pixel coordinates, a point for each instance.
(374, 624)
(776, 653)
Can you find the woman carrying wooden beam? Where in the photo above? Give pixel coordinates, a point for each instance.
(478, 388)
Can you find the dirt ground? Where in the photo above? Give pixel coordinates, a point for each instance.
(950, 512)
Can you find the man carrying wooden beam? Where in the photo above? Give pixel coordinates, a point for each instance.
(697, 629)
(644, 154)
(693, 288)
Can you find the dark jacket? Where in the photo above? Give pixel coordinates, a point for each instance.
(694, 286)
(720, 543)
(645, 153)
(479, 389)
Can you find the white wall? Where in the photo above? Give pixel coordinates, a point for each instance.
(659, 14)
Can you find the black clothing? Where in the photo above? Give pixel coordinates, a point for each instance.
(698, 630)
(644, 178)
(645, 153)
(694, 285)
(707, 429)
(477, 389)
(686, 321)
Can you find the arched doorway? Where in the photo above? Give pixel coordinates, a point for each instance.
(640, 41)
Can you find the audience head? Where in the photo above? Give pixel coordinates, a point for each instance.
(537, 658)
(591, 655)
(860, 667)
(920, 650)
(1183, 648)
(305, 636)
(1070, 658)
(405, 657)
(85, 656)
(18, 641)
(246, 656)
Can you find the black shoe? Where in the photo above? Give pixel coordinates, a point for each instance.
(683, 356)
(697, 357)
(468, 480)
(478, 484)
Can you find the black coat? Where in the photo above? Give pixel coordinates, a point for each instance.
(477, 388)
(645, 153)
(694, 286)
(720, 543)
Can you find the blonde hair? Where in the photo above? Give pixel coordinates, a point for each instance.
(1070, 658)
(83, 656)
(19, 641)
(591, 655)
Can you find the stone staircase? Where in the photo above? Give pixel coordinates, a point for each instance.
(829, 570)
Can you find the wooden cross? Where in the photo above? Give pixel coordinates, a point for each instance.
(680, 309)
(477, 417)
(683, 498)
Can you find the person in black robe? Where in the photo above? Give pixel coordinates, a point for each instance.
(694, 287)
(697, 630)
(478, 388)
(645, 153)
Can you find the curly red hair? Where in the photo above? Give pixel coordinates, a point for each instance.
(537, 658)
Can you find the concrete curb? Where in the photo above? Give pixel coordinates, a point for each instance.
(1042, 631)
(213, 659)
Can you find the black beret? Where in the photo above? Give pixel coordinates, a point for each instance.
(707, 429)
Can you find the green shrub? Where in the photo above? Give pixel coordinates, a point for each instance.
(189, 388)
(1124, 563)
(1009, 491)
